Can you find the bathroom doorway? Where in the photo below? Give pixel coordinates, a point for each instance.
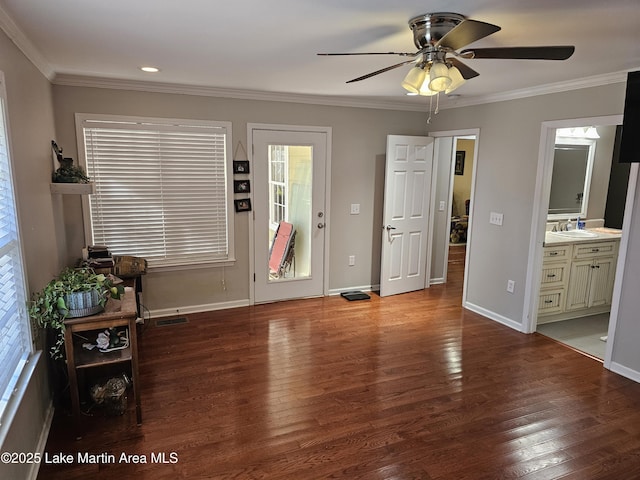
(573, 297)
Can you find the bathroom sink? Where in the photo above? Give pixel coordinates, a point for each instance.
(576, 234)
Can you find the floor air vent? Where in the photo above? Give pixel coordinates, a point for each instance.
(170, 321)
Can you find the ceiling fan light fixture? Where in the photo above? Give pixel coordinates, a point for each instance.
(456, 79)
(414, 80)
(425, 91)
(439, 77)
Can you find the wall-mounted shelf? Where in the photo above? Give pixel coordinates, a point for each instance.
(73, 188)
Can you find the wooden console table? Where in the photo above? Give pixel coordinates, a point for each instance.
(117, 313)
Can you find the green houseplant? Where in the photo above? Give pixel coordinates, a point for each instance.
(75, 292)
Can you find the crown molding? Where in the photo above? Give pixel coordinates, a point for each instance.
(18, 37)
(558, 87)
(201, 90)
(358, 102)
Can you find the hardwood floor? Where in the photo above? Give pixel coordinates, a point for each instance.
(405, 387)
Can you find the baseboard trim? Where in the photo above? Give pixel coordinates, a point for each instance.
(169, 312)
(42, 441)
(625, 371)
(494, 316)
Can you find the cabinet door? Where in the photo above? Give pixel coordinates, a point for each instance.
(579, 285)
(602, 277)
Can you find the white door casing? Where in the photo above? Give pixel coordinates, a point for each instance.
(313, 238)
(406, 213)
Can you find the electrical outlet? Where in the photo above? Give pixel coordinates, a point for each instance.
(442, 205)
(355, 209)
(496, 218)
(511, 286)
(352, 260)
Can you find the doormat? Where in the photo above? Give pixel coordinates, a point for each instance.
(170, 321)
(355, 295)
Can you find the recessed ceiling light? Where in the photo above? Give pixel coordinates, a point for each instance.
(150, 69)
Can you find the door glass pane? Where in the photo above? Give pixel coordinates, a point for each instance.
(290, 216)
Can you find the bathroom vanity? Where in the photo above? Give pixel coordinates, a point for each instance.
(578, 272)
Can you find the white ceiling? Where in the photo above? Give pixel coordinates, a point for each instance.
(269, 46)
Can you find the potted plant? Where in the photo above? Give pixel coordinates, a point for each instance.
(68, 171)
(76, 292)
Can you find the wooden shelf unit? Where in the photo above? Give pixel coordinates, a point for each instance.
(117, 313)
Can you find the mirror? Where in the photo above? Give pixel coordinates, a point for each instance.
(571, 178)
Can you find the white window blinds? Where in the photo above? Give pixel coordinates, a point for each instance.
(15, 337)
(162, 189)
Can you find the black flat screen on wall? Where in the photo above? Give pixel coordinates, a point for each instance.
(630, 143)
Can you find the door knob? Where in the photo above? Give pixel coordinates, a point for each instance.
(389, 227)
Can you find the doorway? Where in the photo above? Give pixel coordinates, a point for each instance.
(290, 215)
(455, 158)
(584, 331)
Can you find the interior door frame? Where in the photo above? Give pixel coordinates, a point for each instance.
(539, 221)
(327, 198)
(454, 134)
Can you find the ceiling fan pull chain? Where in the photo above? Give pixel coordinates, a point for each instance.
(430, 105)
(437, 103)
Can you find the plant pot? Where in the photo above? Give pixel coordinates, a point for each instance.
(83, 304)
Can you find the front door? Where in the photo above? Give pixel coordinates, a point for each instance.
(290, 221)
(405, 230)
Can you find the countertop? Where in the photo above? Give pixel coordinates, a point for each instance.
(602, 234)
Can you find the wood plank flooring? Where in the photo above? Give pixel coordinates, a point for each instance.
(405, 387)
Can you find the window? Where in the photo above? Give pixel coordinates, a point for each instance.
(278, 181)
(15, 332)
(162, 188)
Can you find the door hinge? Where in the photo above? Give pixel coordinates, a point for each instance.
(254, 277)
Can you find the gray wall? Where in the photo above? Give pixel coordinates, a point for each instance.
(627, 337)
(357, 176)
(505, 182)
(31, 128)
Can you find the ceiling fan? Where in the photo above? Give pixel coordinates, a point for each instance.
(438, 37)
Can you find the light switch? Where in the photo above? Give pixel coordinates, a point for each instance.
(355, 209)
(496, 218)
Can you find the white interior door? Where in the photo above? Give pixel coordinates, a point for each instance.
(289, 186)
(407, 195)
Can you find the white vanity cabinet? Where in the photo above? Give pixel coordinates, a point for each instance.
(577, 280)
(555, 275)
(592, 276)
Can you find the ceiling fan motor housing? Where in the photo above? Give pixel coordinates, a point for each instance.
(429, 28)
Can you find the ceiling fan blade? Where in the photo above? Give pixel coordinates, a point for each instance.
(558, 52)
(465, 71)
(466, 32)
(402, 54)
(369, 75)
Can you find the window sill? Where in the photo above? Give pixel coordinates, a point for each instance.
(193, 266)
